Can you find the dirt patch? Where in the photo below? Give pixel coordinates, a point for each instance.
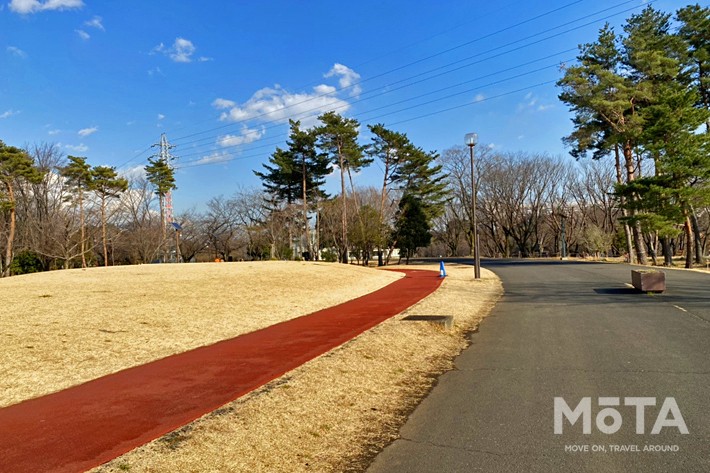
(62, 328)
(335, 412)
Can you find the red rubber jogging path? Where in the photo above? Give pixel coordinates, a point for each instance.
(84, 426)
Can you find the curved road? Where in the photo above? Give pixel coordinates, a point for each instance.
(572, 331)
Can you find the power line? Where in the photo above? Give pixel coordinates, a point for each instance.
(388, 86)
(399, 68)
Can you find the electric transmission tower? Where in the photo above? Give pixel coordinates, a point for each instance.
(165, 156)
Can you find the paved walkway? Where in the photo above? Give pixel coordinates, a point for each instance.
(86, 425)
(569, 330)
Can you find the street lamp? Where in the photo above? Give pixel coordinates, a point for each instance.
(471, 140)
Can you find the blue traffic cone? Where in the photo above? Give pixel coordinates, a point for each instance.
(442, 270)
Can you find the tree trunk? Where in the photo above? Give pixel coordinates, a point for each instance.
(309, 247)
(698, 244)
(688, 242)
(667, 251)
(11, 231)
(624, 213)
(653, 243)
(161, 201)
(383, 201)
(103, 229)
(636, 229)
(343, 195)
(83, 229)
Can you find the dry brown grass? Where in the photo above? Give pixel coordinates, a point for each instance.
(335, 412)
(62, 328)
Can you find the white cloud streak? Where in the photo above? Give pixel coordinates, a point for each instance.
(25, 7)
(216, 157)
(88, 131)
(95, 22)
(8, 114)
(15, 51)
(83, 34)
(246, 136)
(80, 148)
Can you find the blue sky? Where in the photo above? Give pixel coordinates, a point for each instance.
(104, 79)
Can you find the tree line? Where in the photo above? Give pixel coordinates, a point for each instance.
(638, 186)
(643, 98)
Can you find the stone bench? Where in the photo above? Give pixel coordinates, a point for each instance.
(648, 280)
(445, 321)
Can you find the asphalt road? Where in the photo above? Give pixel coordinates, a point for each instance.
(570, 330)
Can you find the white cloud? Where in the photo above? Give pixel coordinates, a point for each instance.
(80, 148)
(532, 102)
(347, 78)
(15, 51)
(83, 34)
(277, 104)
(479, 98)
(216, 157)
(155, 71)
(33, 6)
(133, 173)
(54, 132)
(324, 89)
(88, 131)
(8, 114)
(246, 136)
(95, 22)
(223, 103)
(161, 116)
(181, 51)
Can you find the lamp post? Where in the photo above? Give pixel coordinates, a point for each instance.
(471, 140)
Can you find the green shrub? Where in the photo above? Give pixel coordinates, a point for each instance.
(329, 256)
(26, 262)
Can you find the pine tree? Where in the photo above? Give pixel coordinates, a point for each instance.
(337, 137)
(162, 176)
(107, 184)
(655, 58)
(606, 107)
(78, 176)
(297, 173)
(15, 164)
(391, 148)
(695, 33)
(412, 226)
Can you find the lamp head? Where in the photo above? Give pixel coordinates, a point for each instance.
(471, 139)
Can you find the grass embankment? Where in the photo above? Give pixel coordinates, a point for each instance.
(62, 328)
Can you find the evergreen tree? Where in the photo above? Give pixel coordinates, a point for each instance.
(15, 165)
(78, 176)
(391, 148)
(107, 184)
(162, 176)
(695, 33)
(605, 116)
(412, 226)
(670, 116)
(337, 137)
(297, 173)
(419, 176)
